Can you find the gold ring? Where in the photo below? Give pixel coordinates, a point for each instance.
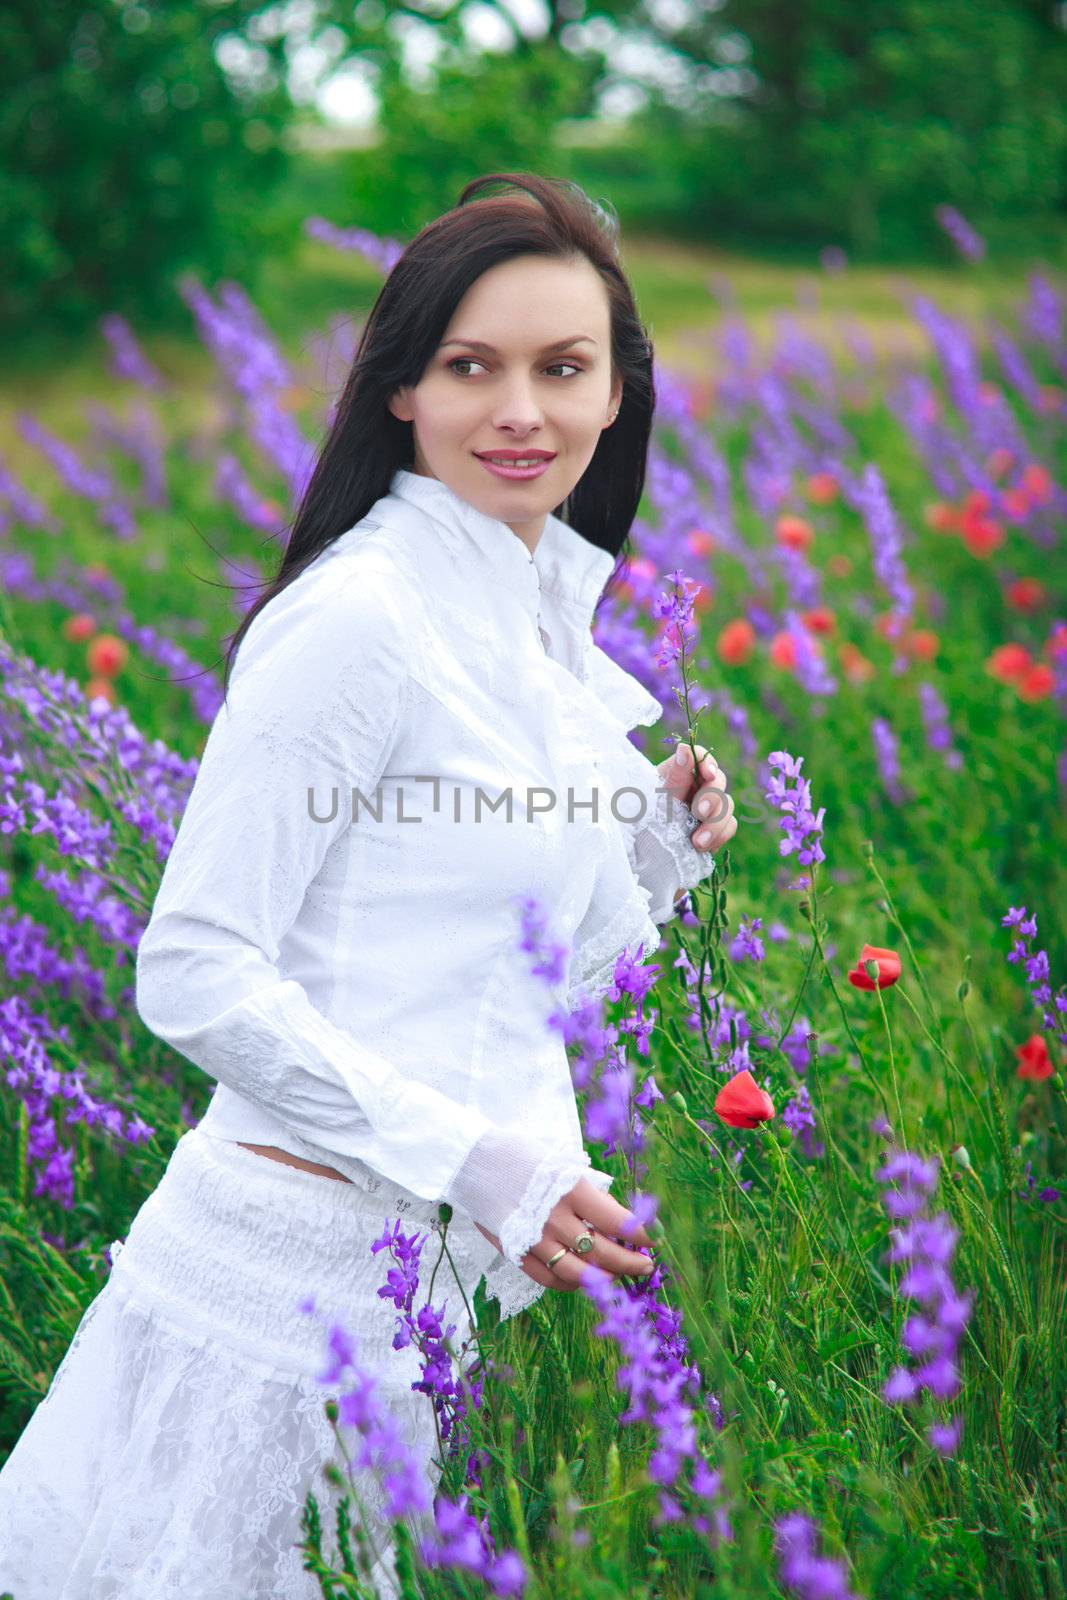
(551, 1262)
(583, 1244)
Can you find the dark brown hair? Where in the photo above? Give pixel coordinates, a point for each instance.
(366, 443)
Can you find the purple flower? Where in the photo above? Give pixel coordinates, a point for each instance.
(959, 230)
(932, 1334)
(1036, 964)
(801, 1570)
(746, 945)
(801, 826)
(799, 1118)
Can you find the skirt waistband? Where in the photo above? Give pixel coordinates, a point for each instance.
(230, 1244)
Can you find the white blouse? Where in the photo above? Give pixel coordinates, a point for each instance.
(336, 938)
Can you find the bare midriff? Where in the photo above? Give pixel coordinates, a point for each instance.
(293, 1161)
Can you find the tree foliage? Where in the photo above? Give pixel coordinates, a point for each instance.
(126, 154)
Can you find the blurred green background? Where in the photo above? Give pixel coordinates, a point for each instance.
(143, 140)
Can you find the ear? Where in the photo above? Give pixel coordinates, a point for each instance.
(400, 405)
(616, 398)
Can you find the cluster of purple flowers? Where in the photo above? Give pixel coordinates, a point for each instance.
(930, 1336)
(801, 1568)
(462, 1540)
(799, 1118)
(811, 670)
(1037, 968)
(746, 944)
(453, 1398)
(383, 253)
(887, 755)
(657, 1371)
(936, 726)
(801, 826)
(128, 360)
(959, 230)
(681, 629)
(656, 1375)
(248, 356)
(94, 484)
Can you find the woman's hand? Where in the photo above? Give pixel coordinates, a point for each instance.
(706, 790)
(585, 1204)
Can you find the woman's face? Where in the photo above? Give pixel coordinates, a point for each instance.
(496, 384)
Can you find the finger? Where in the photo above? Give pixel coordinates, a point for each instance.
(712, 807)
(606, 1214)
(536, 1269)
(571, 1268)
(685, 750)
(606, 1253)
(715, 838)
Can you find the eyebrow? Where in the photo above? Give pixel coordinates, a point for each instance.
(560, 344)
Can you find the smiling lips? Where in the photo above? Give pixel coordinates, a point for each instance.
(514, 457)
(516, 464)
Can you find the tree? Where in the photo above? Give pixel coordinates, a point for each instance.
(128, 154)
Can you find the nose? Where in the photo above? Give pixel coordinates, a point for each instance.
(519, 412)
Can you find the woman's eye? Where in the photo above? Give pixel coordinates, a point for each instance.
(469, 361)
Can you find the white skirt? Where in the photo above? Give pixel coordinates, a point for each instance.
(171, 1456)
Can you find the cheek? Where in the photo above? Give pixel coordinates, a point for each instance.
(445, 408)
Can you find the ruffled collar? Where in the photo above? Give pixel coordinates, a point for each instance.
(565, 564)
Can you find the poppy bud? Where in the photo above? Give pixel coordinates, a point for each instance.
(887, 963)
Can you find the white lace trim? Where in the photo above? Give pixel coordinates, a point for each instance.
(675, 832)
(526, 1224)
(593, 967)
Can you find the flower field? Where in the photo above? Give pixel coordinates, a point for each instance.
(836, 1091)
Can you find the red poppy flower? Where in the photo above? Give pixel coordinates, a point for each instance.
(1026, 594)
(888, 968)
(736, 642)
(942, 517)
(819, 620)
(783, 651)
(742, 1103)
(1036, 683)
(1015, 504)
(982, 535)
(821, 488)
(922, 644)
(100, 689)
(854, 664)
(1037, 481)
(793, 532)
(1008, 662)
(1034, 1059)
(107, 655)
(81, 626)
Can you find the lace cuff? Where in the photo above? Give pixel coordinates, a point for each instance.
(664, 857)
(510, 1183)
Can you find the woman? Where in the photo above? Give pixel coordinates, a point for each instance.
(419, 734)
